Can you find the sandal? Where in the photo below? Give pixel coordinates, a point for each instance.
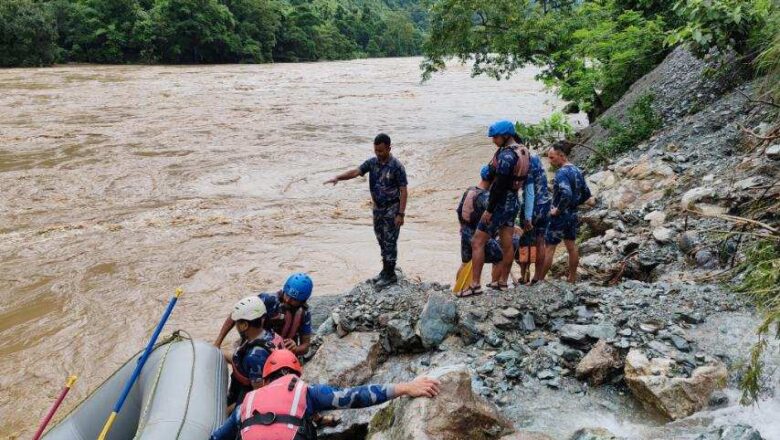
(470, 291)
(497, 286)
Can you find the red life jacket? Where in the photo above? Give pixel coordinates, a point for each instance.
(277, 411)
(276, 344)
(520, 173)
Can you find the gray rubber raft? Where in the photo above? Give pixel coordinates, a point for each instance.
(181, 394)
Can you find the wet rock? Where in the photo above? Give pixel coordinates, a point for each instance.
(507, 356)
(688, 241)
(546, 374)
(327, 327)
(486, 368)
(653, 383)
(348, 361)
(456, 413)
(718, 398)
(651, 326)
(600, 362)
(656, 218)
(510, 313)
(353, 424)
(773, 152)
(580, 334)
(732, 432)
(529, 324)
(692, 197)
(402, 336)
(493, 339)
(527, 435)
(707, 259)
(503, 323)
(680, 343)
(468, 331)
(437, 320)
(690, 317)
(593, 434)
(662, 235)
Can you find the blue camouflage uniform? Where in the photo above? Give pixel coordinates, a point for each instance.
(319, 398)
(507, 203)
(385, 182)
(541, 212)
(273, 307)
(569, 191)
(250, 363)
(493, 253)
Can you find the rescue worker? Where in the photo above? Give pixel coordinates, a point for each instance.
(288, 314)
(387, 182)
(569, 191)
(541, 214)
(509, 171)
(283, 408)
(256, 345)
(470, 209)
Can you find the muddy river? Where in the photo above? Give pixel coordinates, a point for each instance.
(120, 183)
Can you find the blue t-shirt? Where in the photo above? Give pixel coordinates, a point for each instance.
(384, 180)
(569, 189)
(506, 160)
(319, 398)
(273, 307)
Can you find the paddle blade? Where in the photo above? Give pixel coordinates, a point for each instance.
(462, 278)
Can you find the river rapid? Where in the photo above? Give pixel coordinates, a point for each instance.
(121, 183)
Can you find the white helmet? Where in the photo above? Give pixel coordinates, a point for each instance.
(249, 308)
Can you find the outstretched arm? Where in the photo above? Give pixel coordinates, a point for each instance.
(347, 175)
(226, 327)
(325, 397)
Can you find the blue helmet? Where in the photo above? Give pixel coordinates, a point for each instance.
(298, 286)
(484, 173)
(502, 128)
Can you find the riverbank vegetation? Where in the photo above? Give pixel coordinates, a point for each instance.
(43, 32)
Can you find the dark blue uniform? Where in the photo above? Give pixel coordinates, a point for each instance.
(569, 191)
(385, 182)
(493, 253)
(273, 307)
(319, 398)
(541, 212)
(508, 202)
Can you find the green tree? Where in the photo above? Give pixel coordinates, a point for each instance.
(28, 34)
(257, 23)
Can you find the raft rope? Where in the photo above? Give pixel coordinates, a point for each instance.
(175, 337)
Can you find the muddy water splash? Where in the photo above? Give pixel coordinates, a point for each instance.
(121, 183)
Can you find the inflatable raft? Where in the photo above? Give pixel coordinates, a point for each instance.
(181, 394)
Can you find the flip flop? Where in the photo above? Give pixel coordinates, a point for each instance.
(470, 291)
(497, 286)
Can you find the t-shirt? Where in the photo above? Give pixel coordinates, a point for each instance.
(569, 189)
(384, 180)
(275, 310)
(252, 362)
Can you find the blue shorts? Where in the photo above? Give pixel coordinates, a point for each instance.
(503, 217)
(562, 227)
(541, 219)
(493, 253)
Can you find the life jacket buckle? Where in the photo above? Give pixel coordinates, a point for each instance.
(268, 418)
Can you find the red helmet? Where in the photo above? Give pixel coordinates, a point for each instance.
(281, 359)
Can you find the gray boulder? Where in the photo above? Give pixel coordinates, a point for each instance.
(438, 319)
(732, 432)
(348, 361)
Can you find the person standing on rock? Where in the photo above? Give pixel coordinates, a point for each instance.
(387, 182)
(284, 408)
(472, 205)
(288, 314)
(569, 191)
(541, 213)
(509, 172)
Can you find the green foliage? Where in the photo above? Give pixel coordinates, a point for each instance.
(40, 32)
(722, 24)
(591, 52)
(768, 62)
(28, 34)
(761, 281)
(545, 131)
(641, 122)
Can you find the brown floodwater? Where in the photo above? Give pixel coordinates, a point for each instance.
(120, 183)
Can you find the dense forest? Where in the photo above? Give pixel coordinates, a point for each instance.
(42, 32)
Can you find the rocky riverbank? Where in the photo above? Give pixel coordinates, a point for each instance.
(640, 349)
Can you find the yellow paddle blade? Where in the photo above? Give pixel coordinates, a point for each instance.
(463, 278)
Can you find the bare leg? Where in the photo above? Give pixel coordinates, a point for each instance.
(495, 273)
(574, 259)
(549, 253)
(505, 238)
(478, 256)
(539, 271)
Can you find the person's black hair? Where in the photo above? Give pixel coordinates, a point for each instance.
(256, 323)
(382, 138)
(562, 146)
(281, 373)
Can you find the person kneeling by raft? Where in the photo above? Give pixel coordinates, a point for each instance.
(288, 314)
(256, 346)
(283, 408)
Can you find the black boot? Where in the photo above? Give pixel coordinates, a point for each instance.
(390, 277)
(381, 274)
